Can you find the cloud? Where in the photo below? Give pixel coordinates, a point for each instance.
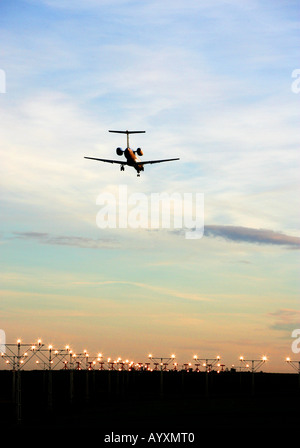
(63, 240)
(156, 289)
(286, 319)
(252, 236)
(237, 234)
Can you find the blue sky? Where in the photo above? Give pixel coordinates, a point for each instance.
(210, 83)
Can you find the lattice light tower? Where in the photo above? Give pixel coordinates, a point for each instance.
(163, 362)
(19, 354)
(208, 363)
(294, 364)
(252, 364)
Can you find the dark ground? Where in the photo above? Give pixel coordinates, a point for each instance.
(149, 402)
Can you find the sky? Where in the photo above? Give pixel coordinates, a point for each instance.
(212, 83)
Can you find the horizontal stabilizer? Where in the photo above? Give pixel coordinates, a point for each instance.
(128, 132)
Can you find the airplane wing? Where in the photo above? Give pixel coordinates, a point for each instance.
(107, 160)
(155, 161)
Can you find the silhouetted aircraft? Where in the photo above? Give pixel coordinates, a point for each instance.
(132, 157)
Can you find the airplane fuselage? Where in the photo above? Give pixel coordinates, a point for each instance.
(133, 160)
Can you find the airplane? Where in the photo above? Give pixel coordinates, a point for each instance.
(132, 157)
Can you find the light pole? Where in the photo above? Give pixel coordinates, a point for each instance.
(164, 362)
(255, 365)
(296, 366)
(15, 354)
(208, 363)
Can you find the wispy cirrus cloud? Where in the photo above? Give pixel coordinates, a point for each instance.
(63, 240)
(287, 319)
(241, 234)
(238, 234)
(153, 288)
(252, 236)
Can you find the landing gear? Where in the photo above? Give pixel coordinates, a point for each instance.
(122, 168)
(138, 174)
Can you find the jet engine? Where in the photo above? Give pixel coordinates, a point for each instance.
(119, 151)
(139, 152)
